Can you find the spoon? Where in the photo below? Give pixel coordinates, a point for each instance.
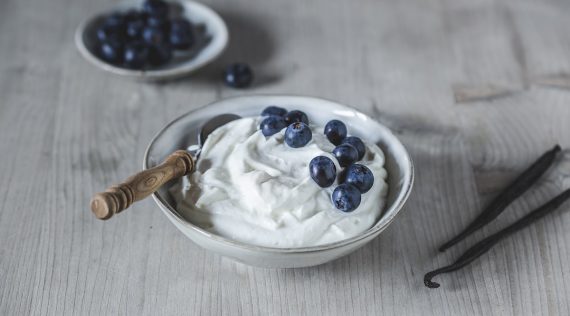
(138, 186)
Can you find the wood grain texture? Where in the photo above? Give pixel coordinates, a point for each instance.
(141, 185)
(475, 89)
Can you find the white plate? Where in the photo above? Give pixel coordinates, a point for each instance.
(209, 46)
(183, 131)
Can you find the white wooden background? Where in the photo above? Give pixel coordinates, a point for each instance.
(476, 90)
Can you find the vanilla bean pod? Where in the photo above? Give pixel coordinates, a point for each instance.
(484, 245)
(498, 205)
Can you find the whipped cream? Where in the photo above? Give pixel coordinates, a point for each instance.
(258, 190)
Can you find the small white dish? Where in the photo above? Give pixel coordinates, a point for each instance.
(213, 43)
(183, 131)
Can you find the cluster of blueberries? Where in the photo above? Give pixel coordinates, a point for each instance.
(355, 180)
(139, 38)
(297, 134)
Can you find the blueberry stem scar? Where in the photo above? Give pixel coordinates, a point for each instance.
(484, 245)
(513, 191)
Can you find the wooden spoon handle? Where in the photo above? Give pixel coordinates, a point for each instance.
(137, 187)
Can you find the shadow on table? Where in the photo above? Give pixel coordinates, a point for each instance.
(249, 42)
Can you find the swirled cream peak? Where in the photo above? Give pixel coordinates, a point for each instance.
(258, 190)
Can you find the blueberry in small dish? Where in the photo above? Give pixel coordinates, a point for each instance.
(152, 24)
(176, 34)
(135, 55)
(112, 52)
(153, 35)
(156, 8)
(158, 22)
(115, 20)
(109, 32)
(134, 28)
(181, 34)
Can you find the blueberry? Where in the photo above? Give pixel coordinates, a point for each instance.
(158, 22)
(346, 197)
(115, 20)
(335, 131)
(238, 75)
(345, 154)
(296, 116)
(111, 51)
(180, 40)
(341, 176)
(181, 34)
(110, 33)
(156, 7)
(154, 35)
(360, 176)
(272, 125)
(273, 110)
(356, 143)
(181, 24)
(134, 14)
(298, 135)
(135, 28)
(136, 55)
(323, 171)
(159, 54)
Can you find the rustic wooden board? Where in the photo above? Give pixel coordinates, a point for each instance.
(475, 89)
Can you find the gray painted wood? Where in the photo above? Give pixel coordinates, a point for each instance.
(475, 89)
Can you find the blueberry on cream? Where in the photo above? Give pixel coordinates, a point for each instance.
(296, 116)
(346, 197)
(335, 131)
(259, 190)
(298, 135)
(323, 171)
(274, 110)
(272, 125)
(345, 154)
(360, 176)
(356, 143)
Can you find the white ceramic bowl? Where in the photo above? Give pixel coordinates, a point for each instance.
(183, 131)
(209, 45)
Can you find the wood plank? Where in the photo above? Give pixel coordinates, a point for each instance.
(475, 90)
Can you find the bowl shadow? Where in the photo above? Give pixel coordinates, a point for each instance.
(249, 42)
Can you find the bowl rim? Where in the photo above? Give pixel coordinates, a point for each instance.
(396, 208)
(178, 71)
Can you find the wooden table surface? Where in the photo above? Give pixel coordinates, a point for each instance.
(475, 89)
